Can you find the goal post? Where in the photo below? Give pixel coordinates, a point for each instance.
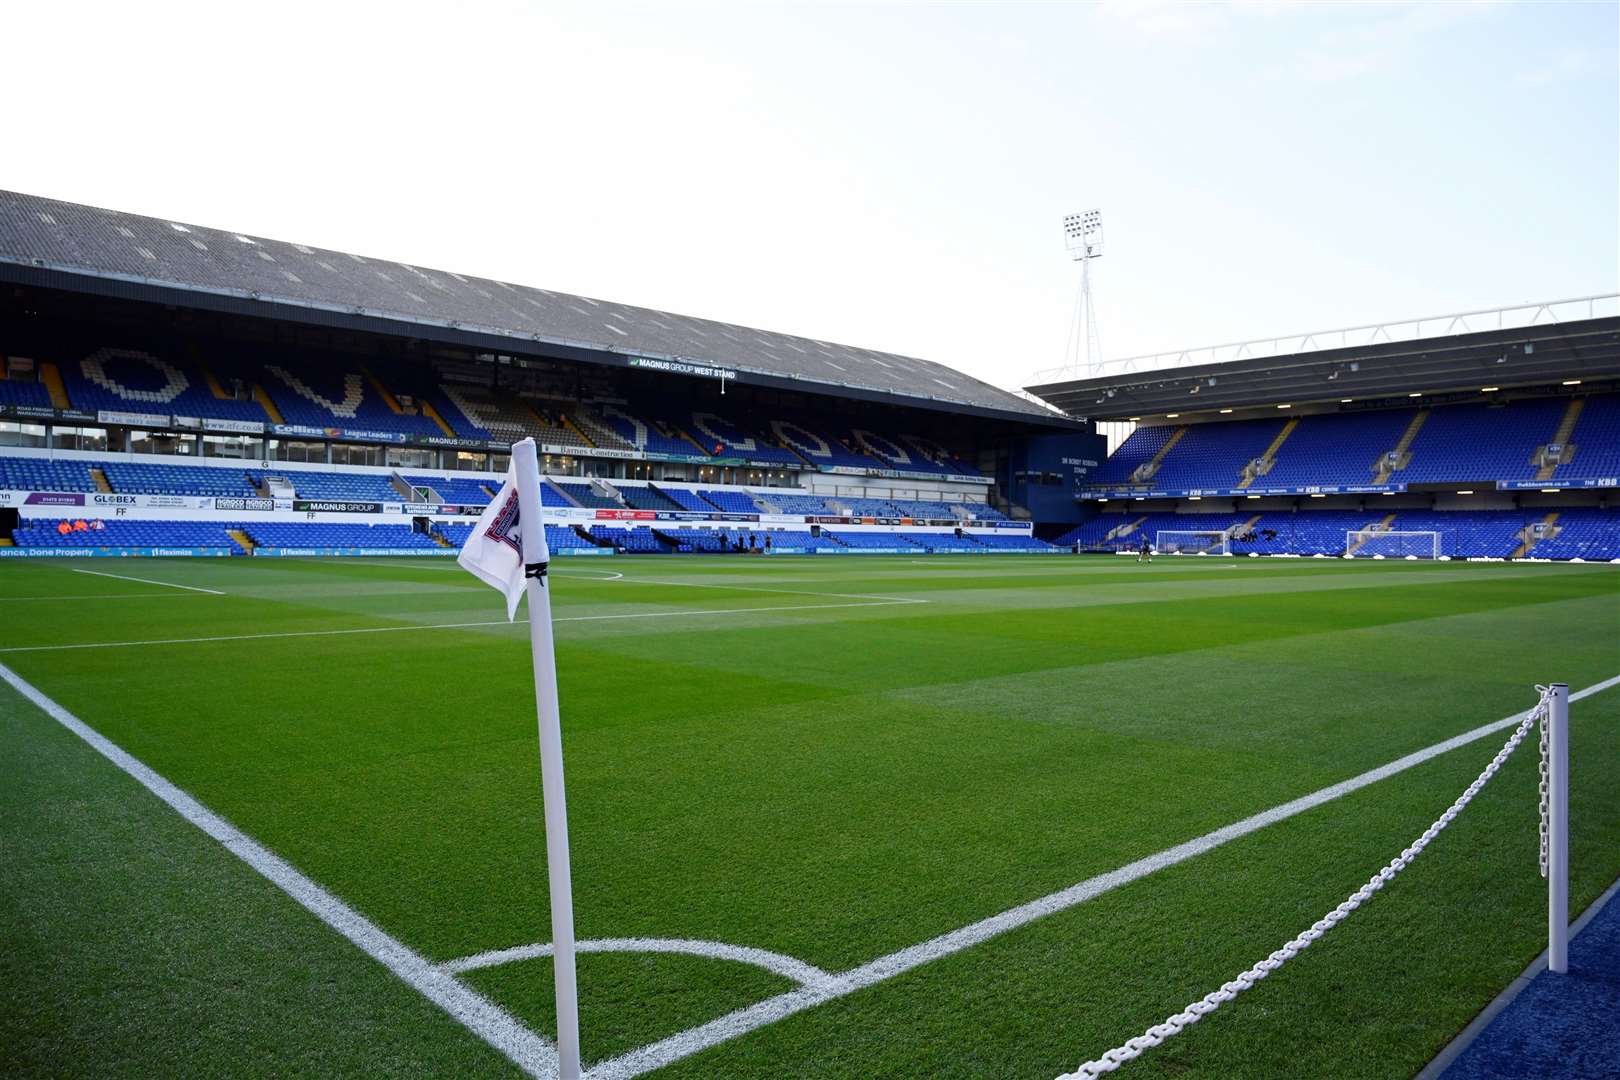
(1192, 542)
(1392, 544)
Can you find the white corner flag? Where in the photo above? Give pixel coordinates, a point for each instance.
(507, 549)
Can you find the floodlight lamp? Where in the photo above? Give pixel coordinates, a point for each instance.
(1083, 234)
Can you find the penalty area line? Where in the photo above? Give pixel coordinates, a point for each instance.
(530, 1052)
(667, 1051)
(146, 581)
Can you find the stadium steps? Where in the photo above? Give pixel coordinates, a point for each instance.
(1531, 539)
(1266, 460)
(215, 387)
(1380, 526)
(1402, 453)
(99, 478)
(267, 405)
(54, 386)
(388, 399)
(1566, 428)
(584, 534)
(433, 414)
(568, 422)
(408, 492)
(442, 541)
(551, 494)
(1145, 471)
(1119, 532)
(687, 435)
(242, 539)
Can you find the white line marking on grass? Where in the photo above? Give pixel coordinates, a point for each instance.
(786, 966)
(530, 1052)
(108, 596)
(252, 637)
(448, 626)
(145, 581)
(666, 1051)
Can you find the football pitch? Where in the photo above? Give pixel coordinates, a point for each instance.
(830, 817)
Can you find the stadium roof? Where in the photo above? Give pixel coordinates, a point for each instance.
(65, 245)
(1538, 355)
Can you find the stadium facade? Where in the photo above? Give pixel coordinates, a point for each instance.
(1496, 432)
(175, 389)
(171, 387)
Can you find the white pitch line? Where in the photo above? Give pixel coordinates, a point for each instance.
(666, 1051)
(446, 626)
(788, 967)
(145, 581)
(106, 596)
(528, 1051)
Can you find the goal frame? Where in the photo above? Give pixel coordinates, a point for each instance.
(1224, 546)
(1356, 539)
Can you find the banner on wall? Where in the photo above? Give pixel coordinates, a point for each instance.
(334, 506)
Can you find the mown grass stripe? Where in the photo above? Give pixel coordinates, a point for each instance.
(529, 1051)
(743, 1021)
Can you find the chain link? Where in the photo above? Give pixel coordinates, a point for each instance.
(1197, 1010)
(1546, 718)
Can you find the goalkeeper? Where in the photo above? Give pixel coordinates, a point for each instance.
(1145, 552)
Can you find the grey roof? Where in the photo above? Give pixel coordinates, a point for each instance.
(1525, 357)
(108, 244)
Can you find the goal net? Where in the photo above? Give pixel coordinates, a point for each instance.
(1191, 542)
(1392, 544)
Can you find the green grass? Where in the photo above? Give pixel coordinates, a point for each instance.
(831, 784)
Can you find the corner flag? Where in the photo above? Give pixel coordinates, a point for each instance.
(494, 551)
(507, 549)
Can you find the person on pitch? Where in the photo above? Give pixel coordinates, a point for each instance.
(1145, 552)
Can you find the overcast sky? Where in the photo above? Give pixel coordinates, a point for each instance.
(885, 175)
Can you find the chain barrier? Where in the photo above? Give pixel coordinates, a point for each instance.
(1197, 1010)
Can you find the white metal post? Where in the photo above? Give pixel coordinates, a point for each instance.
(535, 557)
(1558, 829)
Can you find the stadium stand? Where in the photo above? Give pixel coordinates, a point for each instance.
(35, 474)
(630, 540)
(558, 537)
(720, 435)
(131, 380)
(367, 487)
(338, 399)
(123, 532)
(1481, 442)
(458, 491)
(885, 541)
(648, 498)
(583, 494)
(1596, 439)
(134, 478)
(1449, 443)
(687, 499)
(634, 431)
(18, 392)
(298, 534)
(818, 446)
(1011, 541)
(738, 502)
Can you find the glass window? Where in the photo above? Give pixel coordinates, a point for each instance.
(411, 458)
(74, 438)
(21, 434)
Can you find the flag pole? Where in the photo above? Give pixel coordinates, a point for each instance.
(535, 557)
